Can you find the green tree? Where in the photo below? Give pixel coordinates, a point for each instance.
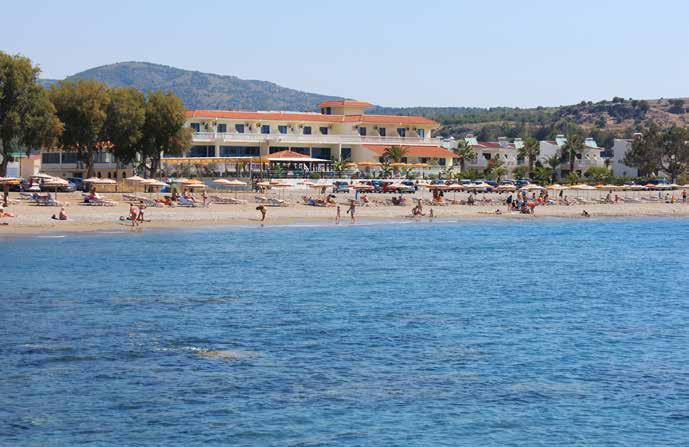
(83, 108)
(499, 172)
(464, 152)
(520, 172)
(531, 150)
(340, 166)
(675, 151)
(543, 175)
(572, 177)
(164, 131)
(573, 147)
(124, 122)
(27, 117)
(646, 152)
(395, 154)
(598, 174)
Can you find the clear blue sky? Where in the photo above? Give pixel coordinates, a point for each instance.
(397, 53)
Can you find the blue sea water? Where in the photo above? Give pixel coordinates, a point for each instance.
(481, 333)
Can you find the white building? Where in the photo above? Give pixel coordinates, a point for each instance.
(589, 157)
(619, 149)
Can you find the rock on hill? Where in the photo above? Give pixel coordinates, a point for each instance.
(202, 90)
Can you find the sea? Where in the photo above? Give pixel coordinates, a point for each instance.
(481, 333)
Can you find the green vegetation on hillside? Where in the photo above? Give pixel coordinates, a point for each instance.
(202, 90)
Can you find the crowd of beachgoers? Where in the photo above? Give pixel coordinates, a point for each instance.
(280, 202)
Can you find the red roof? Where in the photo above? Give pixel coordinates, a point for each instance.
(314, 117)
(287, 154)
(414, 151)
(345, 103)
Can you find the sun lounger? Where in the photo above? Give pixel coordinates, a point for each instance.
(226, 200)
(47, 201)
(100, 201)
(182, 201)
(276, 202)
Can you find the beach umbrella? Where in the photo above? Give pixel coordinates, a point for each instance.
(135, 179)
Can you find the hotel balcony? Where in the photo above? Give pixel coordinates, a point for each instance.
(216, 137)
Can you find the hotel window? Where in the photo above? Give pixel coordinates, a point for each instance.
(362, 131)
(222, 128)
(239, 128)
(324, 130)
(70, 157)
(327, 111)
(307, 130)
(346, 153)
(402, 132)
(381, 131)
(201, 151)
(50, 158)
(274, 149)
(196, 127)
(441, 161)
(282, 129)
(240, 151)
(421, 133)
(265, 129)
(321, 152)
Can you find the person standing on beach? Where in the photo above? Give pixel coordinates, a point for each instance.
(134, 215)
(684, 196)
(263, 211)
(5, 194)
(337, 216)
(352, 210)
(508, 202)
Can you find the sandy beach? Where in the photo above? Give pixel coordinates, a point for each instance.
(34, 219)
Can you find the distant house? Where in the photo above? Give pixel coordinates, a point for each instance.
(619, 149)
(487, 151)
(589, 157)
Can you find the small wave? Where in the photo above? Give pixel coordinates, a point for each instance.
(221, 354)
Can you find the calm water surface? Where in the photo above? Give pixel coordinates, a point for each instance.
(481, 333)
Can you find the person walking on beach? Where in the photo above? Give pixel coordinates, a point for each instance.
(337, 216)
(684, 196)
(508, 202)
(263, 211)
(352, 210)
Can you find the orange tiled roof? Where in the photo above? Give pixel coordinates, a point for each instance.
(312, 117)
(414, 151)
(345, 103)
(287, 154)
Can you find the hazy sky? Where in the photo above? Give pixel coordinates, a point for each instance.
(396, 53)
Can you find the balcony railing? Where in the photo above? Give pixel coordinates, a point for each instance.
(201, 137)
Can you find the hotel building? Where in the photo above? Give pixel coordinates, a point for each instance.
(341, 131)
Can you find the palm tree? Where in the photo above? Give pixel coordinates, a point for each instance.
(531, 150)
(340, 166)
(499, 172)
(395, 153)
(385, 169)
(573, 146)
(464, 152)
(553, 161)
(542, 174)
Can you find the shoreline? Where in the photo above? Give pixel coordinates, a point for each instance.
(218, 216)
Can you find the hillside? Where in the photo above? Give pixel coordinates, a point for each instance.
(604, 119)
(616, 117)
(202, 90)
